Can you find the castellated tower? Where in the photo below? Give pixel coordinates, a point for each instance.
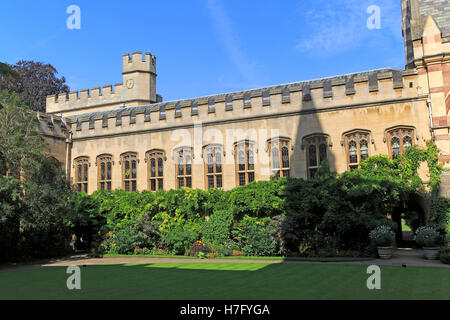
(426, 30)
(137, 88)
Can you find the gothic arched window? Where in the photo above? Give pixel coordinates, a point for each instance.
(357, 147)
(104, 164)
(245, 162)
(155, 169)
(399, 140)
(183, 170)
(129, 171)
(81, 173)
(213, 166)
(317, 151)
(281, 157)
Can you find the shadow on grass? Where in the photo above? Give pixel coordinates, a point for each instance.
(226, 281)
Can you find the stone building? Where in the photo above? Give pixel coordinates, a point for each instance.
(125, 136)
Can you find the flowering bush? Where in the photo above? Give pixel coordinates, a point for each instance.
(382, 236)
(198, 247)
(255, 237)
(427, 237)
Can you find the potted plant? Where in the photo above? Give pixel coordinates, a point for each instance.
(428, 239)
(383, 237)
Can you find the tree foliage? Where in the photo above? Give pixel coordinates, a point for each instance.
(20, 142)
(35, 192)
(32, 81)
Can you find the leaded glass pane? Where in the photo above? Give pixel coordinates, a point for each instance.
(407, 143)
(241, 161)
(353, 152)
(102, 172)
(285, 157)
(364, 149)
(133, 169)
(152, 167)
(210, 181)
(312, 156)
(160, 167)
(276, 158)
(218, 162)
(210, 162)
(241, 179)
(219, 181)
(322, 152)
(251, 160)
(395, 146)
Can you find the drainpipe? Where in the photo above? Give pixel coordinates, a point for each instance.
(430, 113)
(68, 144)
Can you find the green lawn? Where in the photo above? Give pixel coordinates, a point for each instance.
(317, 259)
(226, 281)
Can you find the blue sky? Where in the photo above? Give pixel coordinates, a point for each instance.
(204, 46)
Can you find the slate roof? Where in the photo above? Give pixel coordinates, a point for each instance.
(440, 10)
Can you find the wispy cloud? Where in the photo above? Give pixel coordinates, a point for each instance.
(341, 24)
(228, 37)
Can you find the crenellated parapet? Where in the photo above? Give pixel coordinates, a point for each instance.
(383, 86)
(137, 88)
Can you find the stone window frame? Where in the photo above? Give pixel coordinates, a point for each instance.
(103, 179)
(356, 136)
(402, 133)
(321, 143)
(81, 166)
(155, 182)
(280, 143)
(130, 180)
(247, 172)
(183, 170)
(217, 170)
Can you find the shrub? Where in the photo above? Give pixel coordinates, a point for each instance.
(217, 229)
(120, 242)
(259, 199)
(445, 255)
(10, 208)
(177, 241)
(255, 237)
(427, 237)
(198, 247)
(382, 236)
(147, 234)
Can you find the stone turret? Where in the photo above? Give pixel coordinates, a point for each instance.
(137, 88)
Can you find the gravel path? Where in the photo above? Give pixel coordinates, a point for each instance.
(402, 257)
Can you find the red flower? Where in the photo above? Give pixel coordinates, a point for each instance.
(107, 235)
(281, 239)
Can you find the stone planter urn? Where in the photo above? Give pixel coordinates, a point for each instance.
(385, 252)
(431, 253)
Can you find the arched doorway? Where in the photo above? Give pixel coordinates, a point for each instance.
(408, 218)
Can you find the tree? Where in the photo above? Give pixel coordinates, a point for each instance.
(35, 194)
(10, 208)
(6, 71)
(45, 229)
(33, 81)
(20, 142)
